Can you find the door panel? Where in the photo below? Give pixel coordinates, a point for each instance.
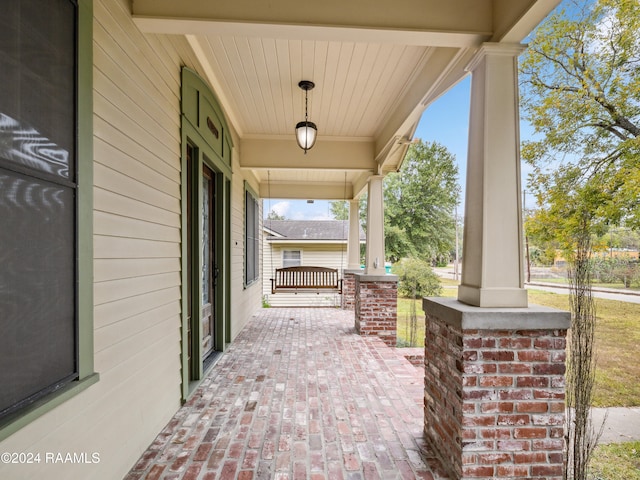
(207, 315)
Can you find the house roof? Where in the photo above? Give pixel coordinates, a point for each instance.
(309, 230)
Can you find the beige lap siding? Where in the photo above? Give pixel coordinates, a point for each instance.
(137, 258)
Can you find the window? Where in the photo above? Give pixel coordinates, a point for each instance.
(291, 258)
(251, 237)
(40, 281)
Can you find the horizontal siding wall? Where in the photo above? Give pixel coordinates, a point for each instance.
(137, 280)
(330, 256)
(245, 301)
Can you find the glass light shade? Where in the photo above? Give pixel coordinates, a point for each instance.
(306, 133)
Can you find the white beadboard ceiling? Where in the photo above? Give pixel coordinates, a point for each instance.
(357, 84)
(376, 67)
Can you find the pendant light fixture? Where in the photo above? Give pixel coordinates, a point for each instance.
(306, 132)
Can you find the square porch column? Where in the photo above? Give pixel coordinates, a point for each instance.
(376, 293)
(353, 258)
(374, 257)
(494, 389)
(494, 367)
(492, 268)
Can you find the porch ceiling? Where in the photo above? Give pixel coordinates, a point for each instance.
(376, 67)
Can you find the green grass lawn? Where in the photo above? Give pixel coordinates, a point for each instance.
(617, 342)
(620, 461)
(617, 371)
(564, 281)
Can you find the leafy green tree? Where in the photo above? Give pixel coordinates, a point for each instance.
(416, 279)
(581, 92)
(419, 204)
(622, 238)
(571, 205)
(339, 210)
(273, 215)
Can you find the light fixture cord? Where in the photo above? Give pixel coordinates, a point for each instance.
(306, 119)
(306, 105)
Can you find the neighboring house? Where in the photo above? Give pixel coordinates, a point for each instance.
(136, 141)
(290, 243)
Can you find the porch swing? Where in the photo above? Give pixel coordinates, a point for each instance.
(304, 278)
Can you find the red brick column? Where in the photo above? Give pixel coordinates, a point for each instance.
(349, 289)
(376, 309)
(494, 389)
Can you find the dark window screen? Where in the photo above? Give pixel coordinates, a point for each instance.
(251, 238)
(38, 350)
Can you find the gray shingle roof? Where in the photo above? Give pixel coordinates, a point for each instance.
(310, 229)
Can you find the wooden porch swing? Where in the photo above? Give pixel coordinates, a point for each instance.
(306, 279)
(303, 278)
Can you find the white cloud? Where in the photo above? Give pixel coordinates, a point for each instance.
(280, 208)
(299, 209)
(607, 27)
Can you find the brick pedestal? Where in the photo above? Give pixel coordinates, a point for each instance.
(376, 309)
(494, 389)
(349, 289)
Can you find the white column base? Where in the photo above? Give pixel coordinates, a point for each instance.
(493, 297)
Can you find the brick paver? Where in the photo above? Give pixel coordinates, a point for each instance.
(299, 395)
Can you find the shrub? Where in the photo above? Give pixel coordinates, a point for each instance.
(416, 278)
(622, 269)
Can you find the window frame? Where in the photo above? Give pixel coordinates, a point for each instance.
(251, 224)
(299, 259)
(84, 234)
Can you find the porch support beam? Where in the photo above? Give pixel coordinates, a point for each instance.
(434, 78)
(353, 245)
(492, 271)
(457, 23)
(297, 190)
(356, 155)
(374, 259)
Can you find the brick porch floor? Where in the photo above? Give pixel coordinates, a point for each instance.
(299, 395)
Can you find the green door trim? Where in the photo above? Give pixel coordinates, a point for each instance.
(204, 126)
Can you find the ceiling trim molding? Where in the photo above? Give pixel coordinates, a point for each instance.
(424, 38)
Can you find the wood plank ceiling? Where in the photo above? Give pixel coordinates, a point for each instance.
(357, 84)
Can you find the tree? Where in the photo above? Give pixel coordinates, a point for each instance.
(419, 204)
(273, 215)
(581, 92)
(339, 210)
(572, 221)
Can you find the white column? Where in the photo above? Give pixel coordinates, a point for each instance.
(374, 259)
(492, 267)
(353, 245)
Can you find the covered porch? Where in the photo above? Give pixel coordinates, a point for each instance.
(299, 394)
